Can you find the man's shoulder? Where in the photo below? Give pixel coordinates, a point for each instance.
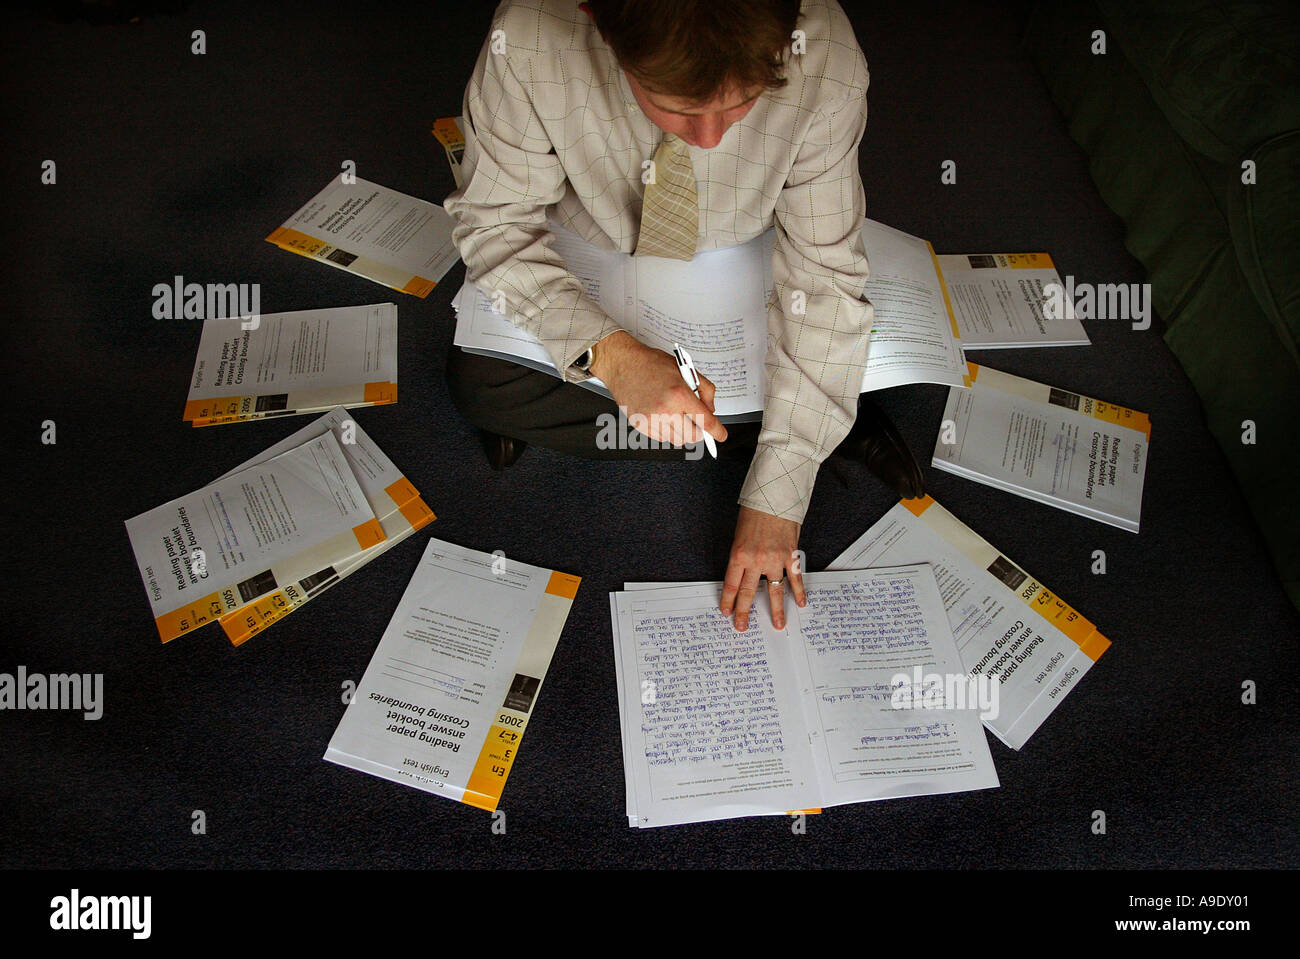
(539, 28)
(826, 64)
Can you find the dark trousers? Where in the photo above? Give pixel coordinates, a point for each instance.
(543, 410)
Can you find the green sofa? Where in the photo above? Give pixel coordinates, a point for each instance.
(1185, 94)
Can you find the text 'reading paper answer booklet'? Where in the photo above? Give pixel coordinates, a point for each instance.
(1008, 626)
(306, 361)
(715, 307)
(1002, 301)
(213, 551)
(447, 696)
(1060, 448)
(397, 240)
(393, 498)
(719, 724)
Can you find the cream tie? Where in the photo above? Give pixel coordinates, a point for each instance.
(670, 213)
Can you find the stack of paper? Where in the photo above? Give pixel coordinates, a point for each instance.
(719, 724)
(326, 499)
(446, 699)
(1008, 626)
(307, 361)
(396, 504)
(874, 690)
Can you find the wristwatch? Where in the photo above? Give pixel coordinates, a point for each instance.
(586, 359)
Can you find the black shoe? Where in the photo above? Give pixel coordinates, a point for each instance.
(502, 451)
(875, 441)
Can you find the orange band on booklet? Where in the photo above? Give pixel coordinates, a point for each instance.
(369, 533)
(401, 492)
(380, 393)
(1026, 261)
(181, 621)
(419, 286)
(493, 765)
(973, 369)
(417, 513)
(243, 624)
(563, 584)
(447, 130)
(919, 505)
(1122, 416)
(216, 407)
(1094, 646)
(1078, 629)
(295, 240)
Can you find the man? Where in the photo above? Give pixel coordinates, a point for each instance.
(751, 111)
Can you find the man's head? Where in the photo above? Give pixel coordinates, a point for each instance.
(697, 66)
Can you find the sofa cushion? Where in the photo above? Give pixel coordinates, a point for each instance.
(1225, 74)
(1264, 219)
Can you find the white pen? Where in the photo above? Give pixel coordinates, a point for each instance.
(687, 369)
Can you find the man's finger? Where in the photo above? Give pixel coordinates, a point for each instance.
(691, 433)
(710, 424)
(745, 598)
(795, 582)
(730, 586)
(707, 391)
(776, 595)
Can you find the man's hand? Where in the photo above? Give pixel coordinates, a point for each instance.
(648, 385)
(764, 546)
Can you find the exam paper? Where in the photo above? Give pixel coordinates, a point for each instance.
(999, 301)
(361, 227)
(300, 362)
(1007, 625)
(1069, 451)
(449, 692)
(713, 726)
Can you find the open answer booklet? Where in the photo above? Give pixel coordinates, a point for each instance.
(363, 228)
(306, 361)
(719, 724)
(448, 694)
(716, 307)
(1070, 451)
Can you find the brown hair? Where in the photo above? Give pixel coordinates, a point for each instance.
(696, 49)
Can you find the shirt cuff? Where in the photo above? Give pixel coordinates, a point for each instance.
(581, 337)
(779, 483)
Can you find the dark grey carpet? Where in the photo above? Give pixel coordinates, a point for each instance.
(173, 163)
